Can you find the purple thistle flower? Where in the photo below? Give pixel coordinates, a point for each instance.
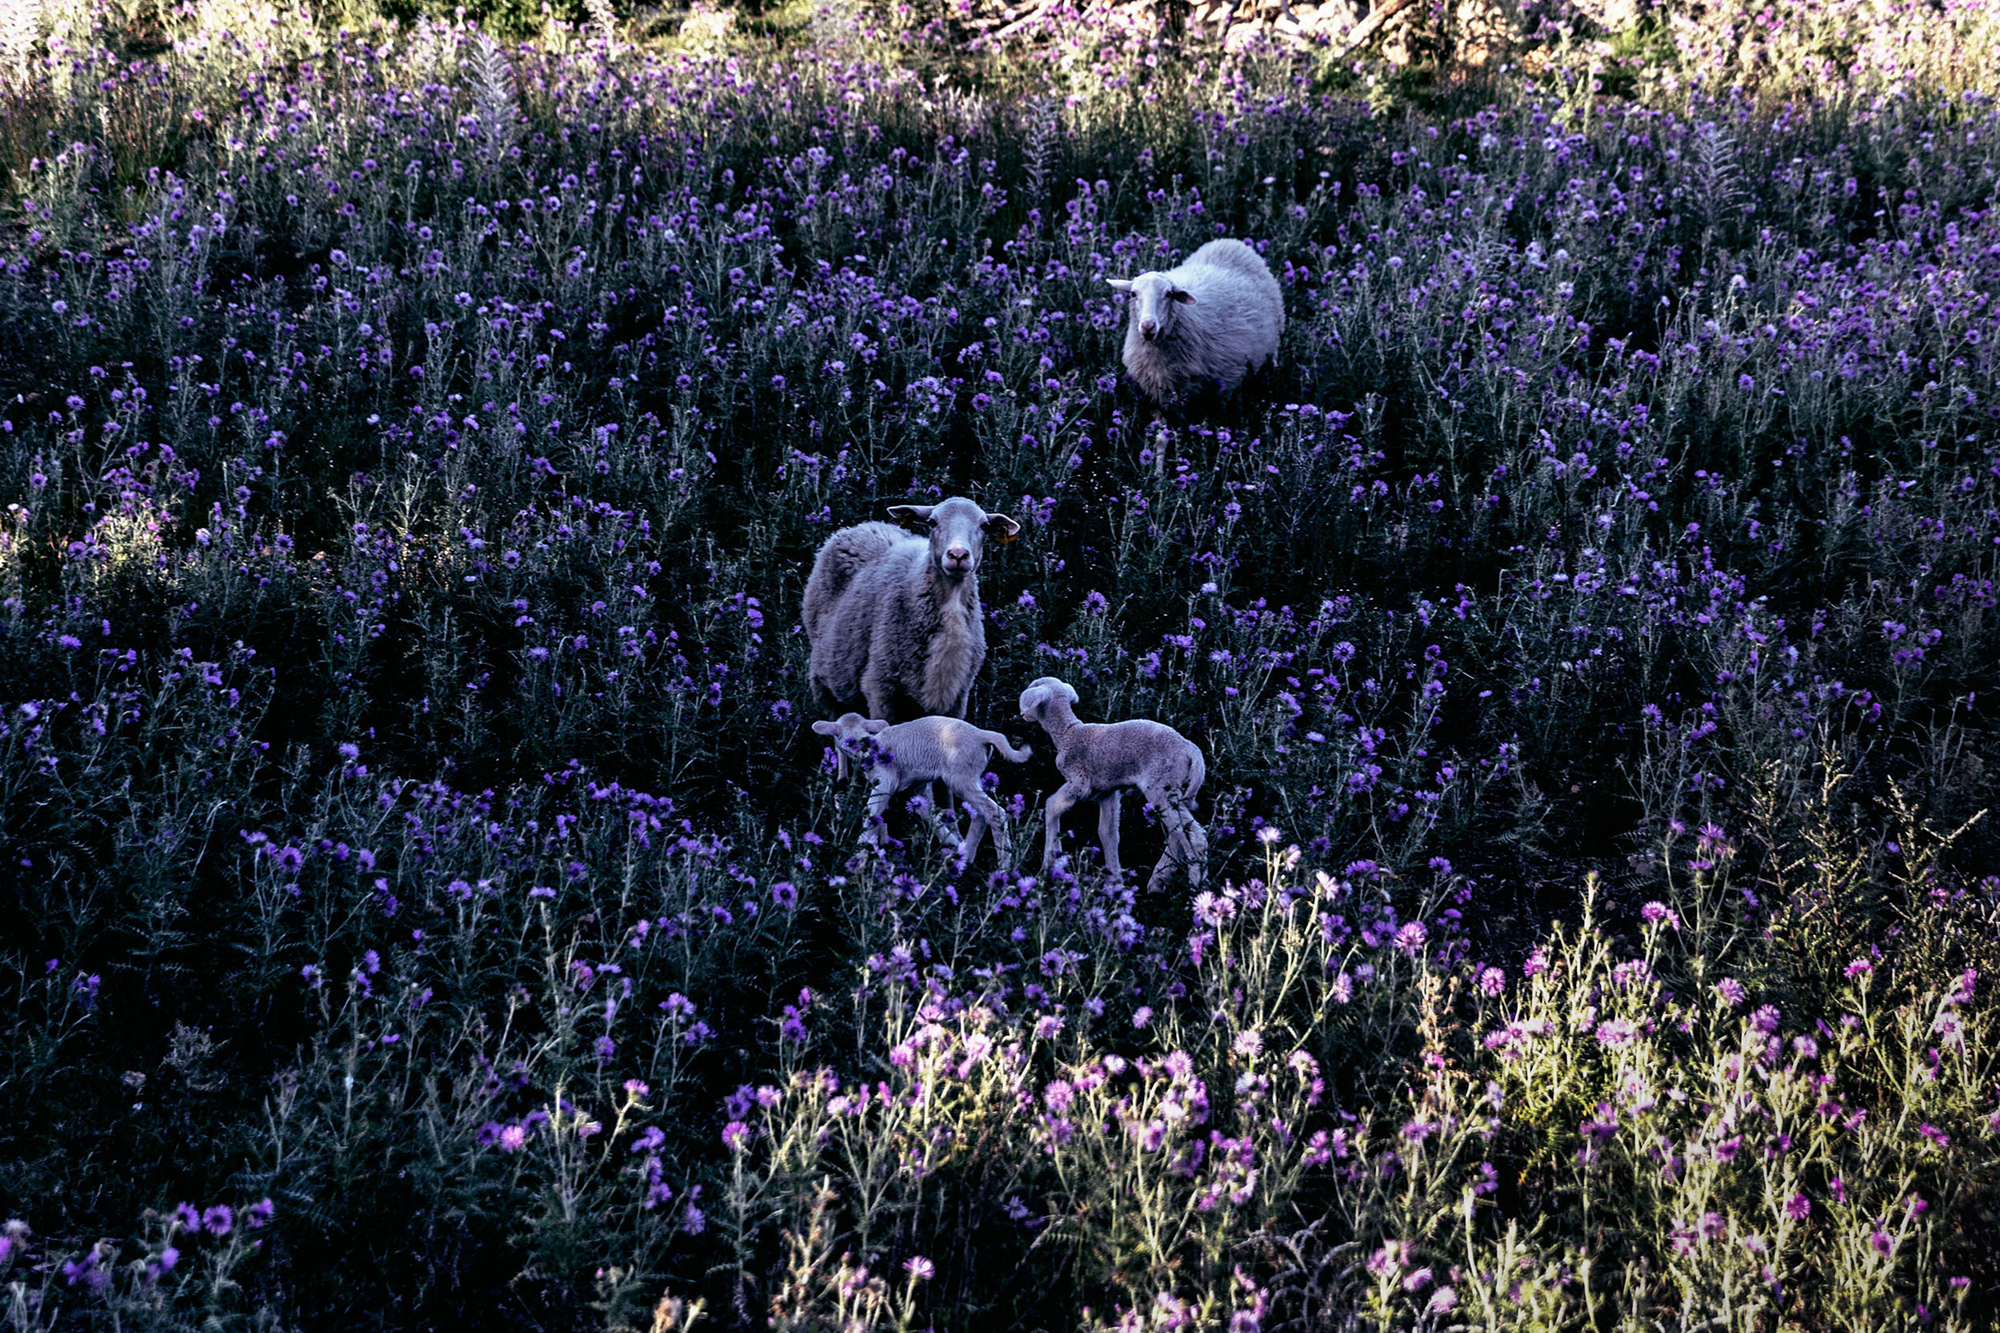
(1617, 1033)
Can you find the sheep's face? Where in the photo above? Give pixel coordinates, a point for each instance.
(853, 733)
(849, 725)
(1041, 693)
(958, 530)
(1156, 303)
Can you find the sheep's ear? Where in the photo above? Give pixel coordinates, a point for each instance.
(826, 728)
(874, 726)
(1001, 529)
(1120, 284)
(916, 518)
(1181, 296)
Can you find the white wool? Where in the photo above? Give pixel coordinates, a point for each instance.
(1101, 761)
(928, 749)
(1204, 324)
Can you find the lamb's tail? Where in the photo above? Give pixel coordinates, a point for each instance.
(834, 567)
(1006, 747)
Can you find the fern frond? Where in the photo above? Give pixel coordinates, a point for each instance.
(492, 80)
(1720, 182)
(1042, 116)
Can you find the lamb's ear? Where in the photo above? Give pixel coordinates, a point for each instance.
(1181, 296)
(1120, 284)
(874, 726)
(917, 518)
(1001, 529)
(826, 728)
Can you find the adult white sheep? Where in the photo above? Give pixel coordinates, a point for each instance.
(894, 618)
(1099, 761)
(1204, 324)
(929, 749)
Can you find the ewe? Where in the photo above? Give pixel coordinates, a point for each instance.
(894, 619)
(1099, 761)
(1204, 324)
(930, 749)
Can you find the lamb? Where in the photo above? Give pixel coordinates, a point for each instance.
(1099, 761)
(930, 749)
(894, 619)
(1204, 324)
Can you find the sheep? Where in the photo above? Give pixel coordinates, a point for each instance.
(894, 619)
(1099, 761)
(929, 749)
(1206, 323)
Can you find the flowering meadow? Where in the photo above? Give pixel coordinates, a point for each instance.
(427, 906)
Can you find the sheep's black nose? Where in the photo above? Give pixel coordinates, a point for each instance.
(1148, 329)
(957, 555)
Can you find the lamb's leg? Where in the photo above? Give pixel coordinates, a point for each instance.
(1195, 842)
(946, 830)
(1186, 844)
(1178, 853)
(1058, 805)
(878, 805)
(1107, 829)
(943, 806)
(985, 814)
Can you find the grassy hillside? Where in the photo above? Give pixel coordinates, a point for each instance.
(412, 447)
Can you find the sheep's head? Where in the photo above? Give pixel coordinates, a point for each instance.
(1043, 692)
(1156, 303)
(853, 737)
(850, 726)
(958, 530)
